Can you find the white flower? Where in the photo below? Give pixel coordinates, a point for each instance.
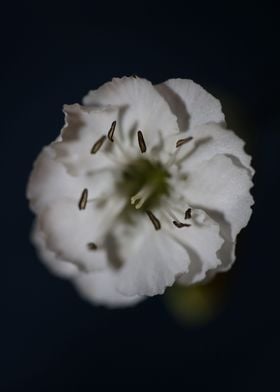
(144, 187)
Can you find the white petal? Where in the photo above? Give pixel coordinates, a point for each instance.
(49, 181)
(209, 140)
(202, 241)
(141, 108)
(68, 231)
(191, 104)
(59, 267)
(83, 128)
(152, 260)
(221, 188)
(100, 288)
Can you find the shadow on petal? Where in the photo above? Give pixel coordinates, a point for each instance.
(197, 144)
(226, 252)
(238, 163)
(177, 106)
(195, 267)
(114, 258)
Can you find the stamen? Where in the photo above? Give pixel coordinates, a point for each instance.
(83, 199)
(97, 145)
(141, 142)
(92, 246)
(169, 209)
(180, 224)
(180, 142)
(188, 213)
(111, 131)
(154, 220)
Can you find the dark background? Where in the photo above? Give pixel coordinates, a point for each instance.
(51, 340)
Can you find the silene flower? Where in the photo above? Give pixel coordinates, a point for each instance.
(145, 187)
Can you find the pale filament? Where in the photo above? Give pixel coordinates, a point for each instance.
(173, 157)
(98, 199)
(178, 146)
(169, 212)
(122, 150)
(175, 204)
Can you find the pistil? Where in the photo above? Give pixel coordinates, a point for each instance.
(143, 195)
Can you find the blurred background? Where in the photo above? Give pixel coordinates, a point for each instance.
(223, 336)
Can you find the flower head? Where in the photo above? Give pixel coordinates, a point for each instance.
(144, 187)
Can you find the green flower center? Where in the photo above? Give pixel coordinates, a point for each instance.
(144, 183)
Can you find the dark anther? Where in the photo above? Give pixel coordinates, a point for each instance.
(180, 225)
(188, 213)
(83, 200)
(92, 246)
(141, 142)
(180, 142)
(112, 131)
(154, 220)
(97, 145)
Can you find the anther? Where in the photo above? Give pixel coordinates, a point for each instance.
(141, 142)
(154, 220)
(180, 142)
(92, 246)
(188, 213)
(112, 131)
(180, 224)
(83, 200)
(97, 145)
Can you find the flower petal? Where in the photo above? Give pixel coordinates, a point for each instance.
(140, 108)
(49, 181)
(69, 231)
(100, 288)
(84, 127)
(191, 104)
(202, 241)
(221, 188)
(59, 267)
(209, 140)
(152, 260)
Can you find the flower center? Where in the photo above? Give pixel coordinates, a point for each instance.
(144, 183)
